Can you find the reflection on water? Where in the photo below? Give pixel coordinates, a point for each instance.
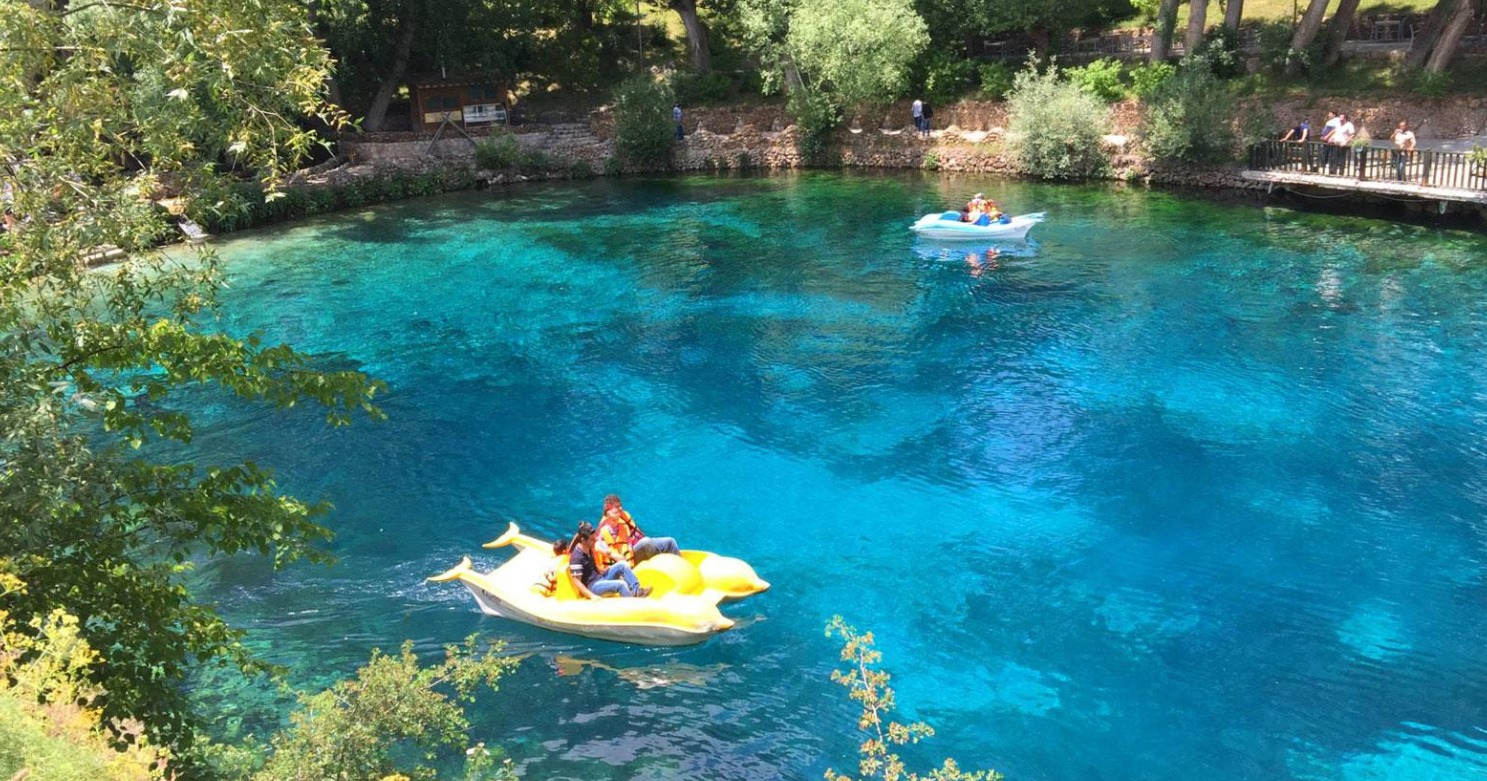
(1178, 490)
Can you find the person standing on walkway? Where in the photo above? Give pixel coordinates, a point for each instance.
(1342, 140)
(1404, 148)
(916, 110)
(926, 116)
(1326, 138)
(676, 116)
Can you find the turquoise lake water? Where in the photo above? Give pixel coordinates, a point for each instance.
(1189, 490)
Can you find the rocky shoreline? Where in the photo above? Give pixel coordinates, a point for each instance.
(762, 137)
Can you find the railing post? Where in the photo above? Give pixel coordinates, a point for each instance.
(1426, 158)
(1363, 163)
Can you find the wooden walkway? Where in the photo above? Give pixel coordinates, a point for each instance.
(1370, 186)
(1426, 174)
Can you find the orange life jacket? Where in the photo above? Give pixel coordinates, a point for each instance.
(619, 536)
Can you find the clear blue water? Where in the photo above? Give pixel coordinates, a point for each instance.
(1193, 491)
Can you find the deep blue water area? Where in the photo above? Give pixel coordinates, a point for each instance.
(1186, 490)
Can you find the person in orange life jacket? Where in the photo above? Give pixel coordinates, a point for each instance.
(548, 585)
(592, 582)
(621, 538)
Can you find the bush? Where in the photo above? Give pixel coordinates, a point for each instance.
(1189, 118)
(1220, 50)
(498, 152)
(946, 77)
(643, 130)
(1432, 84)
(701, 88)
(1100, 78)
(1055, 127)
(1147, 79)
(580, 169)
(815, 117)
(931, 161)
(1274, 41)
(997, 80)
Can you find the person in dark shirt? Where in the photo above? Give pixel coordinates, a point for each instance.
(617, 578)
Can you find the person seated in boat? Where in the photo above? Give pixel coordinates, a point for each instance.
(589, 579)
(549, 583)
(965, 213)
(620, 538)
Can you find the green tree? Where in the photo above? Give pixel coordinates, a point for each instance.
(49, 727)
(643, 129)
(869, 686)
(104, 106)
(854, 51)
(349, 732)
(1055, 127)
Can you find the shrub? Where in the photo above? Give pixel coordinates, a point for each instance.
(1055, 127)
(1100, 78)
(1274, 41)
(946, 77)
(613, 166)
(1146, 79)
(643, 130)
(701, 88)
(1220, 50)
(815, 117)
(498, 152)
(931, 161)
(743, 161)
(1189, 118)
(997, 80)
(580, 169)
(1432, 84)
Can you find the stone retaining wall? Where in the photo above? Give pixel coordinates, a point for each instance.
(969, 138)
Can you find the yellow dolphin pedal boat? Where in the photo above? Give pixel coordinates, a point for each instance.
(682, 608)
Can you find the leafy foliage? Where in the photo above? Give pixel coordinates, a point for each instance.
(832, 55)
(815, 117)
(1100, 78)
(1055, 127)
(50, 725)
(504, 150)
(643, 130)
(350, 731)
(997, 79)
(1220, 50)
(869, 686)
(1190, 118)
(1146, 79)
(1432, 84)
(103, 106)
(946, 77)
(697, 89)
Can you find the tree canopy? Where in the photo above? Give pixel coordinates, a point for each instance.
(105, 107)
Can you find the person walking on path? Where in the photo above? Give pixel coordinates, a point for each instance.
(916, 110)
(676, 116)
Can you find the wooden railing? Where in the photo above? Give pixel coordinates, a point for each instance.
(1425, 167)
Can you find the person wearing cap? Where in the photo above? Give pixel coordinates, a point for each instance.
(620, 538)
(592, 582)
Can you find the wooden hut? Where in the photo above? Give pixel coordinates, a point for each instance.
(466, 101)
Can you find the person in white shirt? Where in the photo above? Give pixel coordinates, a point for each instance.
(1342, 138)
(916, 110)
(1404, 148)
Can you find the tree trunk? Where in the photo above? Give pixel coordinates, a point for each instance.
(1161, 37)
(1342, 19)
(1197, 20)
(1233, 14)
(1450, 38)
(702, 58)
(377, 113)
(1428, 34)
(1306, 32)
(584, 18)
